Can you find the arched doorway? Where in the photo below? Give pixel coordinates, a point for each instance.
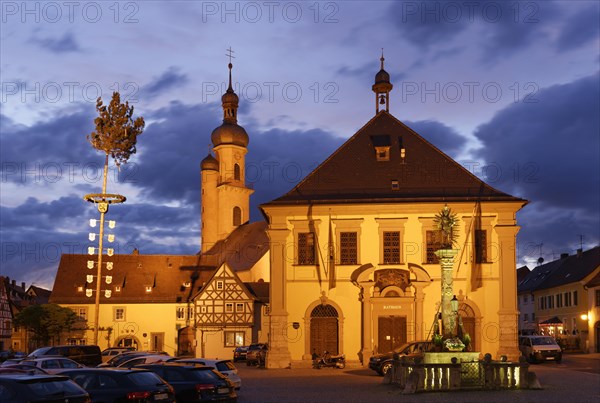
(324, 329)
(467, 315)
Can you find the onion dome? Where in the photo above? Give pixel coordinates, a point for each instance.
(209, 163)
(382, 80)
(229, 133)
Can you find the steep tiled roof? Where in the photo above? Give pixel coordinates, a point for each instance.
(566, 270)
(241, 249)
(166, 277)
(353, 173)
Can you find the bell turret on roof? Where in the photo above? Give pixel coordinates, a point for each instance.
(230, 132)
(382, 87)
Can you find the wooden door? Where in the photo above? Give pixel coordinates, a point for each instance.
(391, 332)
(157, 340)
(324, 335)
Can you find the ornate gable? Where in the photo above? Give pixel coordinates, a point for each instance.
(224, 301)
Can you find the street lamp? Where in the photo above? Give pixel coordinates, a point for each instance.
(454, 307)
(103, 200)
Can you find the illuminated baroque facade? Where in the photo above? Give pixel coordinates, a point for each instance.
(353, 268)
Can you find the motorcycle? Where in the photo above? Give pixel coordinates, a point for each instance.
(327, 360)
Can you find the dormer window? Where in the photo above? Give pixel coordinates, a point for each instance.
(187, 284)
(383, 153)
(382, 144)
(148, 288)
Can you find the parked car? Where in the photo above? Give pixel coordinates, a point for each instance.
(194, 383)
(239, 353)
(381, 363)
(110, 352)
(256, 353)
(52, 365)
(116, 385)
(18, 388)
(121, 358)
(25, 368)
(89, 356)
(144, 359)
(540, 348)
(226, 367)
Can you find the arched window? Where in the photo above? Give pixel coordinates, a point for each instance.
(237, 174)
(237, 216)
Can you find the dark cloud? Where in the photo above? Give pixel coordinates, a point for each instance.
(504, 27)
(580, 29)
(443, 137)
(49, 151)
(64, 44)
(548, 153)
(168, 80)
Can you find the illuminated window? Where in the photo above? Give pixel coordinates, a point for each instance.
(480, 246)
(81, 313)
(235, 339)
(348, 247)
(306, 248)
(391, 247)
(434, 243)
(119, 314)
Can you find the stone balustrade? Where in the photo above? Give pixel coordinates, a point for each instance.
(418, 376)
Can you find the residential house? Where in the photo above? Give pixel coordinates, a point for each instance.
(558, 292)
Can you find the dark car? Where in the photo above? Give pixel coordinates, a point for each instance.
(381, 363)
(89, 356)
(18, 388)
(239, 353)
(256, 353)
(126, 356)
(194, 383)
(115, 385)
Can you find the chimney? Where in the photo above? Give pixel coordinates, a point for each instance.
(135, 252)
(564, 255)
(23, 285)
(14, 283)
(579, 252)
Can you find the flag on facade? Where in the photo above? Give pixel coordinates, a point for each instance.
(331, 255)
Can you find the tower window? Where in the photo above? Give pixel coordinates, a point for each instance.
(237, 216)
(237, 174)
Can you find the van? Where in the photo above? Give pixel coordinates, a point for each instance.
(538, 348)
(85, 355)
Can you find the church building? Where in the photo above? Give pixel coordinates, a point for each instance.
(352, 248)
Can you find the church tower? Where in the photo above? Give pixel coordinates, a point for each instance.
(225, 197)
